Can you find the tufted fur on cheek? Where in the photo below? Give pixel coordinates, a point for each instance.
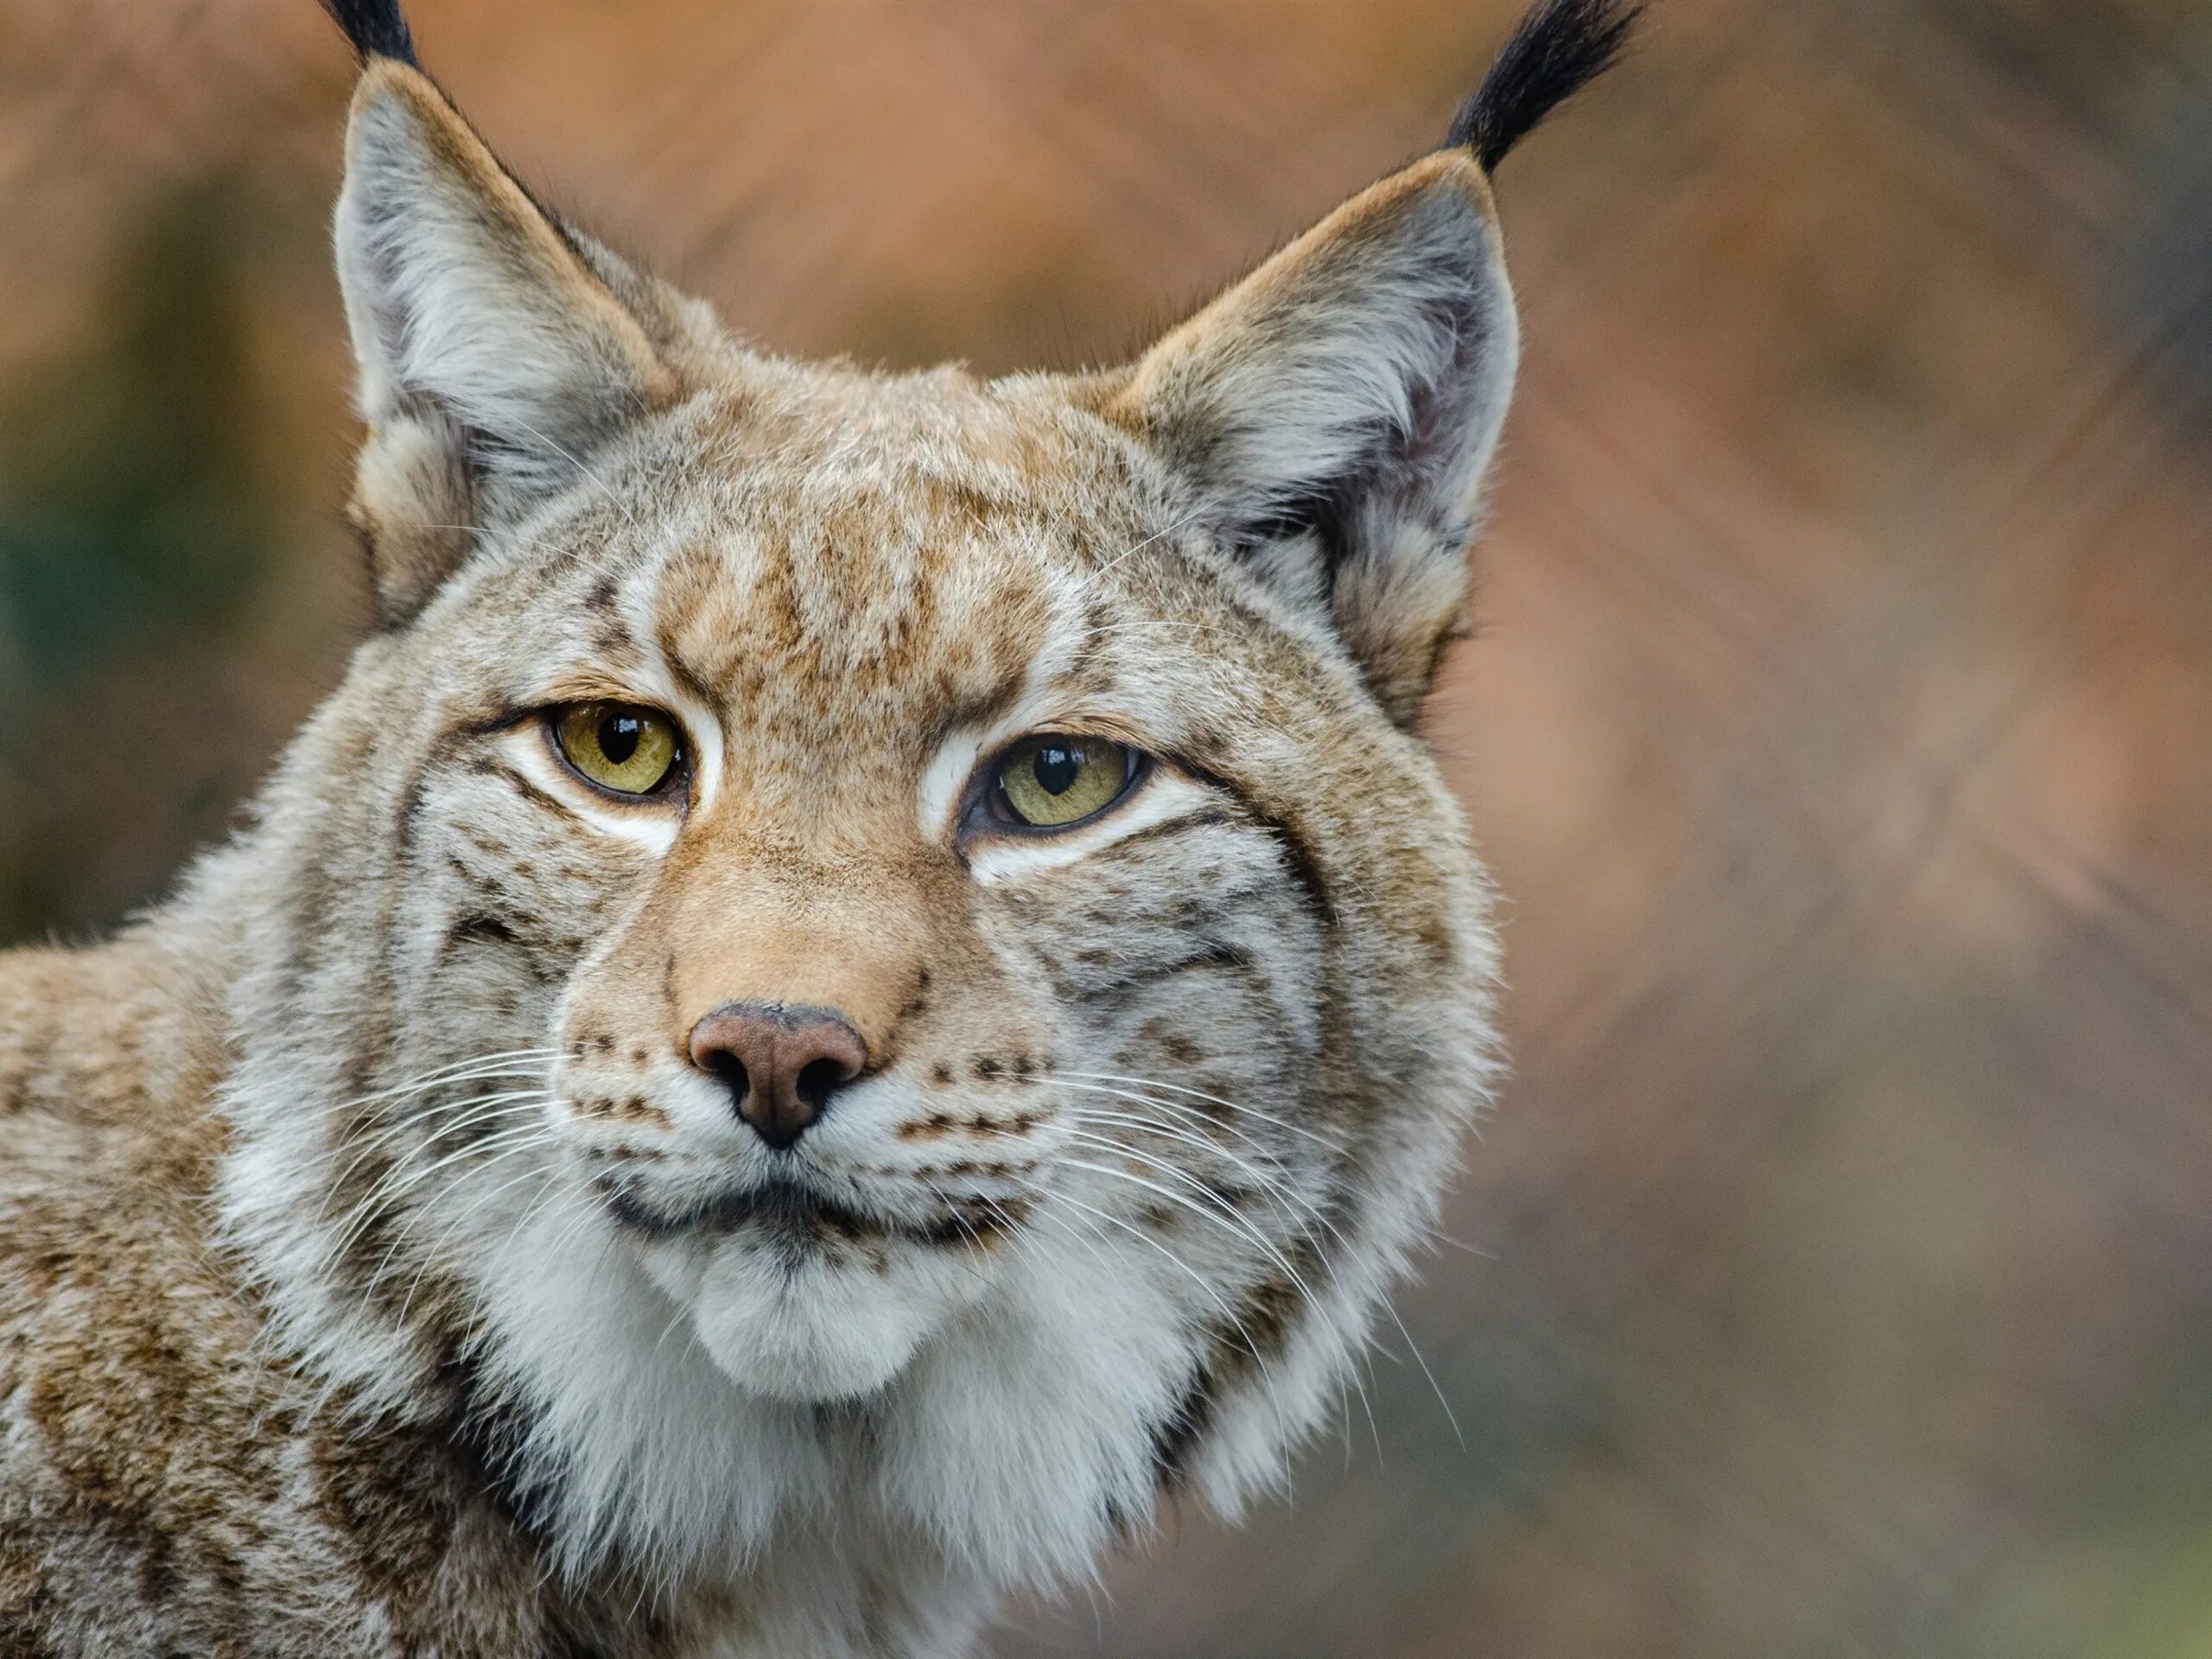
(494, 349)
(1336, 411)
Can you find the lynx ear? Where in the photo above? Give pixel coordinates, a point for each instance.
(492, 355)
(1337, 410)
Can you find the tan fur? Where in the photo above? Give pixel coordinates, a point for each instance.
(377, 1273)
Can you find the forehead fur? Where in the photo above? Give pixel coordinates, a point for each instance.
(917, 543)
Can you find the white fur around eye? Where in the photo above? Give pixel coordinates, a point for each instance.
(650, 824)
(660, 686)
(1040, 707)
(945, 783)
(1163, 795)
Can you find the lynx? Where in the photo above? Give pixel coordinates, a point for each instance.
(865, 982)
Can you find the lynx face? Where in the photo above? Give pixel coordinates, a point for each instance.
(863, 956)
(844, 1045)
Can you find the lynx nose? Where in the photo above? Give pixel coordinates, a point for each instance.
(780, 1063)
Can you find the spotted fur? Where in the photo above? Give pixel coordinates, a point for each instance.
(380, 1273)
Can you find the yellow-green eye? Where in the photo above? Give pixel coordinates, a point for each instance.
(1053, 780)
(618, 746)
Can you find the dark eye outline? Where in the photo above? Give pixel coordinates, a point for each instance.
(989, 811)
(675, 784)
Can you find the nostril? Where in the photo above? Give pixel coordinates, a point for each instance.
(725, 1065)
(817, 1078)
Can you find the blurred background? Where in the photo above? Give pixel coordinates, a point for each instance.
(1834, 1280)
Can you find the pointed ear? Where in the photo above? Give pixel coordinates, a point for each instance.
(1337, 410)
(494, 356)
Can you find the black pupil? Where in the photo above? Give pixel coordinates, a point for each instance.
(619, 736)
(1057, 769)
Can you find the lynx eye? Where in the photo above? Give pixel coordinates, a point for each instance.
(624, 749)
(1052, 780)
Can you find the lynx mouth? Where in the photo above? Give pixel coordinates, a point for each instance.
(797, 1216)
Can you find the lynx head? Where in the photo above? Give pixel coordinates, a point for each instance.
(865, 952)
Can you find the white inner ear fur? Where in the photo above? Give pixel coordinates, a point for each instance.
(1339, 408)
(1391, 326)
(460, 294)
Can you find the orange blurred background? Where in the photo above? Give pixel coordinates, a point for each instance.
(1834, 1279)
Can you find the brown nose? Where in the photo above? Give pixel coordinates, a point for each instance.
(781, 1062)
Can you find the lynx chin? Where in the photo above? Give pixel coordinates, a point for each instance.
(864, 983)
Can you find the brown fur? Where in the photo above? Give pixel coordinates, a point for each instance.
(341, 1197)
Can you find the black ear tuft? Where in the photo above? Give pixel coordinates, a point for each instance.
(378, 29)
(1560, 48)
